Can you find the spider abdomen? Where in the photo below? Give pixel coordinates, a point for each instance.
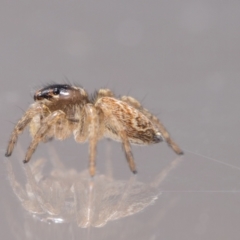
(118, 116)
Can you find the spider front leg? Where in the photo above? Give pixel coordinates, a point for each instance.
(49, 121)
(22, 123)
(93, 135)
(89, 129)
(134, 103)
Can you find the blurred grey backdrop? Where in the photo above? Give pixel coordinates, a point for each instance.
(181, 60)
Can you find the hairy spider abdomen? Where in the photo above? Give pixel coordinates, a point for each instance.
(119, 115)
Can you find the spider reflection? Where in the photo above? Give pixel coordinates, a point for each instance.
(66, 195)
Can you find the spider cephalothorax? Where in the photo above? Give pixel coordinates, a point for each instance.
(60, 110)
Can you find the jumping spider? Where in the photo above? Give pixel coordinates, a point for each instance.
(60, 110)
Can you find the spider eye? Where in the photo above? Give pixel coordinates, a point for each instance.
(56, 91)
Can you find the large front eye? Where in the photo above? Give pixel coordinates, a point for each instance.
(56, 91)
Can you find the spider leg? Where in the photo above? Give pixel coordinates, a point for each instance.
(134, 103)
(81, 133)
(104, 93)
(22, 123)
(93, 127)
(39, 136)
(101, 93)
(128, 151)
(167, 137)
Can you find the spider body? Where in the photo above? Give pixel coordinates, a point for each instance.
(61, 110)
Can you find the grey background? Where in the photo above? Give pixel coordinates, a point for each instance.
(181, 60)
